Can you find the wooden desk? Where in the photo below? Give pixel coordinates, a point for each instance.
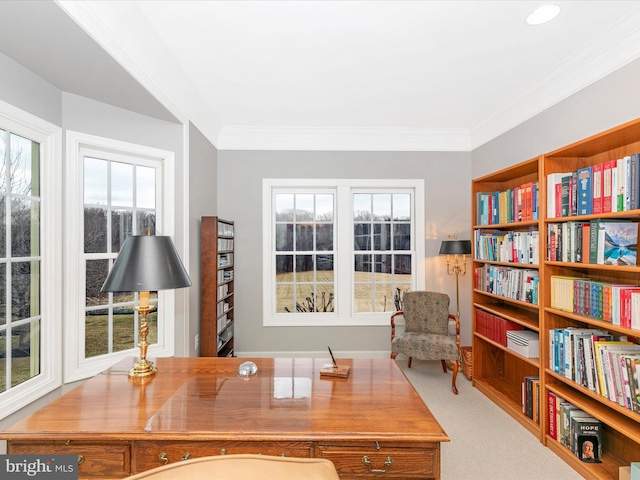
(372, 421)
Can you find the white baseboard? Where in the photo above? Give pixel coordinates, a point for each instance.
(315, 354)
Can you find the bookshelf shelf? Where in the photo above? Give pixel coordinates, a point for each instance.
(506, 300)
(499, 373)
(217, 292)
(509, 312)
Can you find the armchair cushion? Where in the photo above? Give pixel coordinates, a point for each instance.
(425, 346)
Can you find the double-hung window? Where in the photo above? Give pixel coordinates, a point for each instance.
(340, 252)
(120, 191)
(30, 265)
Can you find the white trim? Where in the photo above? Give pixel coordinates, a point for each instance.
(344, 139)
(76, 367)
(50, 138)
(343, 315)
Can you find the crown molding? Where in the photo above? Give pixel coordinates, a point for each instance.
(343, 139)
(611, 51)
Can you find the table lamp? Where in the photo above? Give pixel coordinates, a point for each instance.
(146, 263)
(456, 252)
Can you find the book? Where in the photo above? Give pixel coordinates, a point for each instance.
(596, 188)
(330, 370)
(623, 183)
(585, 192)
(608, 170)
(597, 230)
(620, 242)
(634, 176)
(553, 405)
(554, 193)
(586, 433)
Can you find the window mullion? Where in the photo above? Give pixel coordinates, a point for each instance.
(344, 252)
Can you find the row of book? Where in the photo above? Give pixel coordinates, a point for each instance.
(530, 397)
(225, 229)
(517, 283)
(519, 204)
(501, 246)
(606, 364)
(610, 302)
(611, 186)
(575, 429)
(494, 327)
(225, 244)
(603, 242)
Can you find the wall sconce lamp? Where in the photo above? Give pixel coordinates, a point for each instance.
(456, 252)
(146, 263)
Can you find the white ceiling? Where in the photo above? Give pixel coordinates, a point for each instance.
(360, 75)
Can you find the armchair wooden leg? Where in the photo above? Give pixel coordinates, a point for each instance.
(444, 366)
(409, 362)
(394, 355)
(453, 378)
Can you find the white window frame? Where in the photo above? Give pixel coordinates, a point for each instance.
(77, 145)
(49, 137)
(343, 314)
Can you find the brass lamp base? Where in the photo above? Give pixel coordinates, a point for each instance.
(142, 368)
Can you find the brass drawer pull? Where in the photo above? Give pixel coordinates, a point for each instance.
(223, 451)
(163, 458)
(186, 456)
(367, 461)
(80, 459)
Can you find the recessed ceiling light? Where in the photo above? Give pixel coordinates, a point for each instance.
(543, 14)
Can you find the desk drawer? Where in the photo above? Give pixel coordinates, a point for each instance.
(371, 461)
(153, 454)
(103, 459)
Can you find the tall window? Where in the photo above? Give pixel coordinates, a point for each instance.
(340, 252)
(304, 254)
(20, 285)
(29, 271)
(119, 201)
(383, 250)
(119, 191)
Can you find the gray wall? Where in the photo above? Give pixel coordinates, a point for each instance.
(240, 173)
(203, 178)
(29, 92)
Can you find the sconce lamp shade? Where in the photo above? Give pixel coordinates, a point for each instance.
(147, 263)
(455, 247)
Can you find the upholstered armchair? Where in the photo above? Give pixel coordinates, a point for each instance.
(426, 333)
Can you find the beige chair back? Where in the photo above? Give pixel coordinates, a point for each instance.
(243, 467)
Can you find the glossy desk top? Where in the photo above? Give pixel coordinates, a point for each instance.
(203, 398)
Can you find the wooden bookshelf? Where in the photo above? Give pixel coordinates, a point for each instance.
(498, 372)
(216, 287)
(621, 426)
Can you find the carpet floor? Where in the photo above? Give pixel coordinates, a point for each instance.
(486, 443)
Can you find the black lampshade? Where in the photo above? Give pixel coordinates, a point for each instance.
(147, 263)
(455, 247)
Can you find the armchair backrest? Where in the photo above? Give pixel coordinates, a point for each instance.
(426, 312)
